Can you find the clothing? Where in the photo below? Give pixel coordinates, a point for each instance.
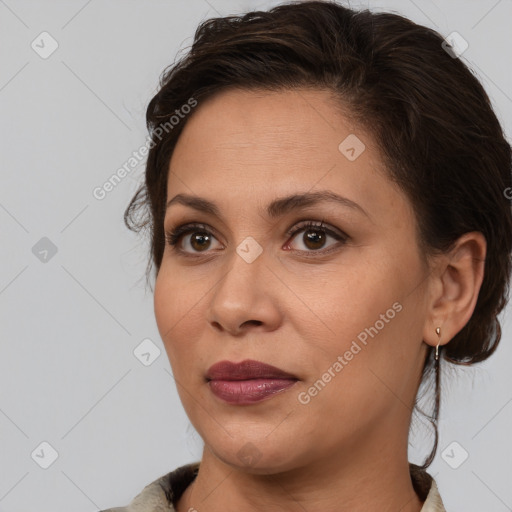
(162, 494)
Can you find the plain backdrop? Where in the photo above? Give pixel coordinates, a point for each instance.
(84, 423)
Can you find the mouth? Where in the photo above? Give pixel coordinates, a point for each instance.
(247, 382)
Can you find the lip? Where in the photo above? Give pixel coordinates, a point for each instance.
(247, 382)
(245, 370)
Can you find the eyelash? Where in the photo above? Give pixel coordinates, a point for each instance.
(174, 236)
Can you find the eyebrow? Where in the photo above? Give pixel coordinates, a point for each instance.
(276, 208)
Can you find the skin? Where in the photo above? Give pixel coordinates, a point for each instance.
(299, 308)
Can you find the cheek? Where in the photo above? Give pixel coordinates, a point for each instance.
(385, 319)
(372, 305)
(366, 289)
(177, 311)
(165, 303)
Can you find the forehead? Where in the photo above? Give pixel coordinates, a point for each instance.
(237, 118)
(285, 130)
(255, 145)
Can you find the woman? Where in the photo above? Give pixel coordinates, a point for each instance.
(326, 195)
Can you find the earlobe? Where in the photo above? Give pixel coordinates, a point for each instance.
(459, 276)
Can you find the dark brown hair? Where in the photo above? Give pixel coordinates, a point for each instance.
(429, 115)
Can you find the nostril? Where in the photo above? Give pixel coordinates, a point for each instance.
(252, 322)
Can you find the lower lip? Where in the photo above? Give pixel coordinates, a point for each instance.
(243, 392)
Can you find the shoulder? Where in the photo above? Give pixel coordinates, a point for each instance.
(426, 488)
(159, 495)
(433, 503)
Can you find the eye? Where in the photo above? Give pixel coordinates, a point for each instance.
(315, 236)
(197, 238)
(200, 241)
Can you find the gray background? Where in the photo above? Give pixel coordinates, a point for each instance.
(70, 324)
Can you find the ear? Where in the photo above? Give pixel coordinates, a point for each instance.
(455, 284)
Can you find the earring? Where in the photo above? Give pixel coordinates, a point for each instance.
(438, 332)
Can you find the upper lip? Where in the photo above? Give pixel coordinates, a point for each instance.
(245, 370)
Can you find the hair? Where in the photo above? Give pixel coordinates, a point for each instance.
(430, 117)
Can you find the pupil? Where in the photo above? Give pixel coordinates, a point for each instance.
(200, 237)
(315, 237)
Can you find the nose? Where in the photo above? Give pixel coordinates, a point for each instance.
(245, 297)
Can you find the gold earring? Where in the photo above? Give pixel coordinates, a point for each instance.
(438, 332)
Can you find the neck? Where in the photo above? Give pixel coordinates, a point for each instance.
(379, 480)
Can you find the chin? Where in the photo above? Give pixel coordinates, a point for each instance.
(257, 457)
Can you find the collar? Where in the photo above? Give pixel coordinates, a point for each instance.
(162, 494)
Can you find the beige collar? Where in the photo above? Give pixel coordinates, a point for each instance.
(433, 503)
(161, 494)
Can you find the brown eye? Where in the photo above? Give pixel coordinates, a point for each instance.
(200, 240)
(190, 239)
(315, 237)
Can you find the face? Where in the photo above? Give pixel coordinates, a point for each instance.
(327, 288)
